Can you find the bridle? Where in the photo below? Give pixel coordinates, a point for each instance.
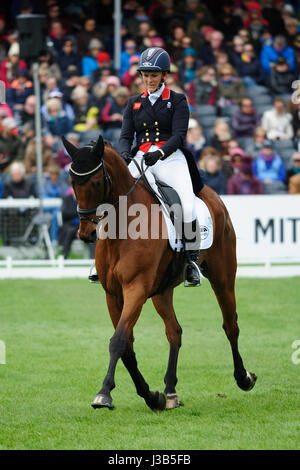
(84, 214)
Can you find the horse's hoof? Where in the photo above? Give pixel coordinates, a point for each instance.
(102, 401)
(248, 382)
(158, 401)
(172, 401)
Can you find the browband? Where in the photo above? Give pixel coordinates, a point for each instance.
(88, 172)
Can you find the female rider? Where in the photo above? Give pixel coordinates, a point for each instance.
(158, 119)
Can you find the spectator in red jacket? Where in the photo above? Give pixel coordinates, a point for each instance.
(5, 112)
(62, 158)
(112, 115)
(11, 65)
(255, 23)
(131, 74)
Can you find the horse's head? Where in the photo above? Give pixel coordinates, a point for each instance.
(89, 180)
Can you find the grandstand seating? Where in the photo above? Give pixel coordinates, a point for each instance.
(205, 110)
(261, 108)
(274, 188)
(207, 123)
(257, 91)
(228, 111)
(285, 148)
(262, 100)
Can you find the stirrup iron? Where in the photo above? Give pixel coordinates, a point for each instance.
(93, 278)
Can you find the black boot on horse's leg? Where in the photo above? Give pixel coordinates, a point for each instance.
(117, 347)
(244, 379)
(190, 238)
(93, 276)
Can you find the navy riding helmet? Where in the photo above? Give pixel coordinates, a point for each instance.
(154, 59)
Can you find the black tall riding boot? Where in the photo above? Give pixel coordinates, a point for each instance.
(192, 271)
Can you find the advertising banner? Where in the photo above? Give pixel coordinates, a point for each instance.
(266, 226)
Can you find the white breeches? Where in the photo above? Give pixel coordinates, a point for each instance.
(173, 171)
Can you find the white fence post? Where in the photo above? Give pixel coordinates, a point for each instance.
(61, 265)
(9, 265)
(2, 352)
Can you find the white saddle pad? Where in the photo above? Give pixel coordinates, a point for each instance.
(205, 223)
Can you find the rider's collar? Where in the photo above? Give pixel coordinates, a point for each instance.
(157, 93)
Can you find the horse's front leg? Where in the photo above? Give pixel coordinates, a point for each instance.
(155, 400)
(121, 342)
(163, 304)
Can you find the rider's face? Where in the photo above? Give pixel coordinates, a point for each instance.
(152, 80)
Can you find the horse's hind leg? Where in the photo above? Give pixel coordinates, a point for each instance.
(221, 274)
(164, 306)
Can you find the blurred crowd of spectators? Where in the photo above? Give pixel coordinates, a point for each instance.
(237, 61)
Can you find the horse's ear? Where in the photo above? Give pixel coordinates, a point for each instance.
(70, 148)
(99, 147)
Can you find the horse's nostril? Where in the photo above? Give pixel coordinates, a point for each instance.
(88, 238)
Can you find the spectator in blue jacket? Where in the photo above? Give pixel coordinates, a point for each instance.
(188, 66)
(213, 174)
(54, 187)
(18, 92)
(130, 49)
(56, 124)
(270, 54)
(268, 165)
(89, 63)
(67, 107)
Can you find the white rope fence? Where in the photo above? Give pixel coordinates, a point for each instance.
(45, 269)
(80, 268)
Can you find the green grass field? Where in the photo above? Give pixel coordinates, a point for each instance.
(57, 335)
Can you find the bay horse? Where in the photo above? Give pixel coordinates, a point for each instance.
(132, 270)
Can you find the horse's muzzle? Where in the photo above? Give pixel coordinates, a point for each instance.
(90, 237)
